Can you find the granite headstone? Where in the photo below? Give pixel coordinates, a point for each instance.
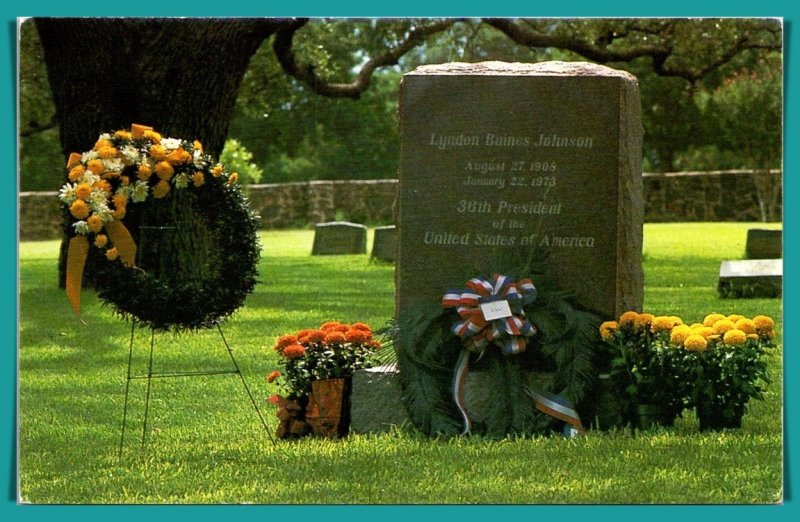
(498, 156)
(339, 237)
(764, 244)
(384, 243)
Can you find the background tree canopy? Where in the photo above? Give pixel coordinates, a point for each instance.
(318, 98)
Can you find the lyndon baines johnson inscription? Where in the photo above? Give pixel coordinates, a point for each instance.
(517, 156)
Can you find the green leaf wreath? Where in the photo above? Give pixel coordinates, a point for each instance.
(566, 344)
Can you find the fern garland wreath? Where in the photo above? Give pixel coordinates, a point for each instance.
(194, 257)
(566, 344)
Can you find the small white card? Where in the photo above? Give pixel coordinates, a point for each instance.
(495, 310)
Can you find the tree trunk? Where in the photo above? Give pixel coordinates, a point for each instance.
(180, 76)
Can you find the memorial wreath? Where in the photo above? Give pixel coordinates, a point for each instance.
(195, 261)
(506, 326)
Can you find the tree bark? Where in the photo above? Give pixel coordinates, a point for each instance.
(180, 76)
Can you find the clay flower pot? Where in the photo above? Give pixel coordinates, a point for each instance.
(328, 411)
(291, 415)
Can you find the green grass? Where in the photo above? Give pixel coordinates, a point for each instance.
(206, 445)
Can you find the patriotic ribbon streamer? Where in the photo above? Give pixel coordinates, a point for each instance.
(507, 332)
(556, 406)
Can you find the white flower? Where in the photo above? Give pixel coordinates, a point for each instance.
(181, 180)
(124, 191)
(97, 199)
(113, 164)
(67, 193)
(90, 178)
(105, 136)
(105, 213)
(81, 227)
(131, 153)
(140, 191)
(88, 156)
(197, 159)
(170, 143)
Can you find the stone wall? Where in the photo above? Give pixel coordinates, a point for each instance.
(713, 196)
(684, 196)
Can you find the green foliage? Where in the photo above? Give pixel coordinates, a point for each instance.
(206, 445)
(238, 159)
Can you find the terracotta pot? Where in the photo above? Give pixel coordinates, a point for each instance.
(291, 415)
(328, 411)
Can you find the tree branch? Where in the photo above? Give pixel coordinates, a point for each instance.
(660, 51)
(282, 47)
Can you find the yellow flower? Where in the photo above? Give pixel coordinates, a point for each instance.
(112, 253)
(125, 180)
(101, 144)
(119, 212)
(198, 178)
(197, 145)
(710, 319)
(705, 331)
(679, 334)
(83, 191)
(95, 223)
(233, 178)
(164, 170)
(152, 136)
(695, 343)
(607, 330)
(676, 320)
(79, 209)
(746, 325)
(123, 134)
(100, 240)
(158, 152)
(76, 173)
(734, 337)
(144, 172)
(107, 152)
(161, 189)
(96, 166)
(696, 325)
(103, 185)
(216, 171)
(722, 326)
(764, 324)
(120, 200)
(752, 337)
(662, 323)
(735, 317)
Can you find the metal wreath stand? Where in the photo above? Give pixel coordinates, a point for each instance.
(150, 375)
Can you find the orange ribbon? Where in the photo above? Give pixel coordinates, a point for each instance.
(78, 252)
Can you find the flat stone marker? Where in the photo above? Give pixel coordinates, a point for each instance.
(384, 243)
(764, 244)
(498, 158)
(751, 278)
(339, 237)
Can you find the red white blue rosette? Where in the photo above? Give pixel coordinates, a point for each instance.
(475, 330)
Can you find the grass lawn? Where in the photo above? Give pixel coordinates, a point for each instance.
(206, 445)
